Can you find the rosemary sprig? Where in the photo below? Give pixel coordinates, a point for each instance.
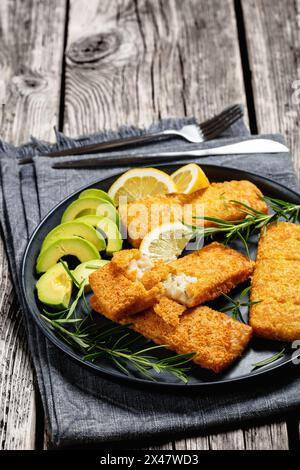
(236, 305)
(269, 360)
(253, 222)
(114, 343)
(69, 272)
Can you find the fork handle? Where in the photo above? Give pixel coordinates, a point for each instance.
(113, 144)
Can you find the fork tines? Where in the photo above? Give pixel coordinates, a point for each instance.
(216, 125)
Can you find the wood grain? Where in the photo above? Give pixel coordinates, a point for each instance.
(31, 52)
(271, 437)
(193, 443)
(17, 399)
(268, 437)
(273, 38)
(134, 62)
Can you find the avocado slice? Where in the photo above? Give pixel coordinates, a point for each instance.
(113, 237)
(96, 205)
(109, 228)
(83, 270)
(93, 192)
(74, 246)
(54, 288)
(90, 219)
(75, 229)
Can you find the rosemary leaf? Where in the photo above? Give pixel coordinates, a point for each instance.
(254, 221)
(75, 302)
(69, 272)
(112, 343)
(269, 360)
(236, 305)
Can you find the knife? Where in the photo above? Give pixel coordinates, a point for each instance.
(263, 146)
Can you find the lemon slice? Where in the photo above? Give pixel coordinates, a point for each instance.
(139, 183)
(190, 178)
(166, 242)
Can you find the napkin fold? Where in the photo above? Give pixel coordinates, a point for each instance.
(82, 407)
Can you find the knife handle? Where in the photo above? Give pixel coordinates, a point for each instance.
(117, 143)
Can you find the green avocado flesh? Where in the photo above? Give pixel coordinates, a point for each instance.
(94, 205)
(75, 229)
(113, 237)
(54, 288)
(90, 219)
(83, 270)
(73, 246)
(93, 192)
(109, 228)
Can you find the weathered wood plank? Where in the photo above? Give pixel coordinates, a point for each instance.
(268, 437)
(233, 440)
(31, 51)
(136, 61)
(166, 446)
(273, 38)
(195, 443)
(271, 437)
(17, 401)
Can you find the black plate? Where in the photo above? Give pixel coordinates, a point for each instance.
(241, 370)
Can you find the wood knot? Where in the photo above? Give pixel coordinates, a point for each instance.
(29, 82)
(94, 48)
(32, 82)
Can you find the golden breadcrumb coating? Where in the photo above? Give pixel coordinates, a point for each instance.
(213, 201)
(280, 241)
(121, 259)
(118, 295)
(217, 199)
(276, 284)
(157, 274)
(218, 269)
(140, 216)
(169, 310)
(216, 339)
(150, 278)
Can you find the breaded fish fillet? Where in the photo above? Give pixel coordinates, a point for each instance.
(139, 217)
(217, 199)
(213, 270)
(130, 284)
(120, 290)
(276, 284)
(169, 310)
(282, 242)
(216, 339)
(119, 295)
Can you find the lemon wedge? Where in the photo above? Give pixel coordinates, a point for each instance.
(166, 242)
(190, 178)
(139, 183)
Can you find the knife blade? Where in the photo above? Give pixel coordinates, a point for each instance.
(263, 146)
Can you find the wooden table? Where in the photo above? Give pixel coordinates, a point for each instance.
(87, 65)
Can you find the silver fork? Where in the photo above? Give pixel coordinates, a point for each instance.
(192, 133)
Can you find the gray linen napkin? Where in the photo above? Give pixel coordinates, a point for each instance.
(80, 406)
